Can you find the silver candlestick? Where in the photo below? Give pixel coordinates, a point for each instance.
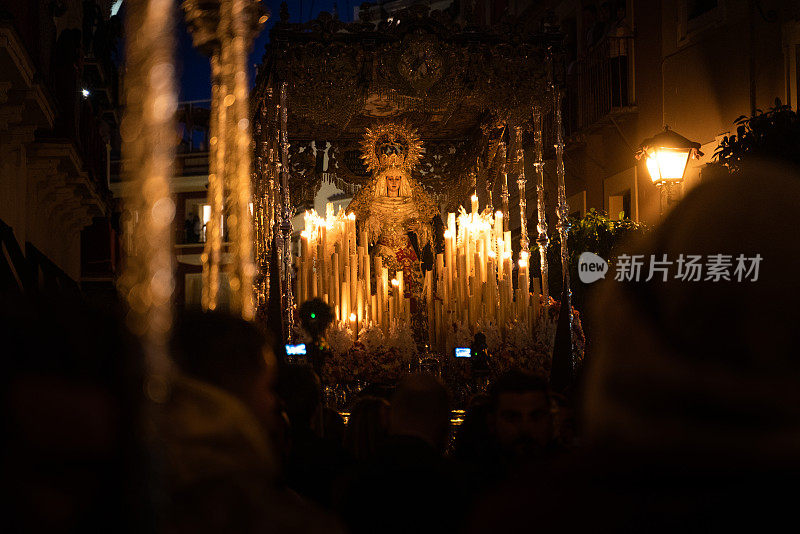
(286, 222)
(542, 241)
(523, 208)
(563, 215)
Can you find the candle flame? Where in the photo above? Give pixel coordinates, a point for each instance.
(352, 317)
(523, 255)
(474, 198)
(352, 216)
(448, 234)
(506, 255)
(523, 263)
(395, 282)
(498, 214)
(492, 254)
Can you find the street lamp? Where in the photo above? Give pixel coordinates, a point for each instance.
(666, 156)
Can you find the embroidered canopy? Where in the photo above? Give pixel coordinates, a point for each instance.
(461, 87)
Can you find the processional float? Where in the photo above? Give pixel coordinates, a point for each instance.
(473, 98)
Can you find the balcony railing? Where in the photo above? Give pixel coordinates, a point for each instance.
(192, 151)
(600, 84)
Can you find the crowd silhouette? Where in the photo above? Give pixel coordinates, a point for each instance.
(687, 415)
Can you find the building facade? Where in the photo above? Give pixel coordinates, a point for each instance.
(58, 128)
(634, 67)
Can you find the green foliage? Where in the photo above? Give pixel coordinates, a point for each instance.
(774, 135)
(594, 232)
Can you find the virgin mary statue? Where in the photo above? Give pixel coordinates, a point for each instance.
(398, 215)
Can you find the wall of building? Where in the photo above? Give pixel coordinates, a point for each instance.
(697, 76)
(49, 187)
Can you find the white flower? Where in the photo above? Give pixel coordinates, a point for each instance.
(339, 337)
(372, 337)
(401, 338)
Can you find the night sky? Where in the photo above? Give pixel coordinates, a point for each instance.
(194, 69)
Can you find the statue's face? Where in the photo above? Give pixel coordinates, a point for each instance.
(393, 184)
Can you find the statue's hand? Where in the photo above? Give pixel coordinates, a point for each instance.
(422, 230)
(373, 226)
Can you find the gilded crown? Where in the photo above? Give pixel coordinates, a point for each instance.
(391, 145)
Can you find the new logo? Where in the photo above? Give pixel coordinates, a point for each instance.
(591, 267)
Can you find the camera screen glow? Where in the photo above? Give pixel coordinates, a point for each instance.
(462, 352)
(296, 350)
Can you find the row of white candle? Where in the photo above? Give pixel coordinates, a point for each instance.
(471, 281)
(474, 277)
(336, 268)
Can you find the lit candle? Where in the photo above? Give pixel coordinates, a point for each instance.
(472, 317)
(394, 302)
(370, 313)
(482, 257)
(351, 233)
(401, 294)
(524, 284)
(463, 281)
(384, 272)
(469, 250)
(336, 288)
(346, 297)
(508, 269)
(320, 269)
(501, 253)
(353, 277)
(474, 199)
(491, 284)
(441, 290)
(380, 299)
(438, 326)
(354, 325)
(477, 288)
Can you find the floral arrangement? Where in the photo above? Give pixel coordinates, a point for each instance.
(377, 358)
(372, 358)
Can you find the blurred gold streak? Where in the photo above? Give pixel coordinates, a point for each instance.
(241, 266)
(225, 31)
(147, 280)
(216, 165)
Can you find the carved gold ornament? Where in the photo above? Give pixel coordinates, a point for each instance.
(391, 144)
